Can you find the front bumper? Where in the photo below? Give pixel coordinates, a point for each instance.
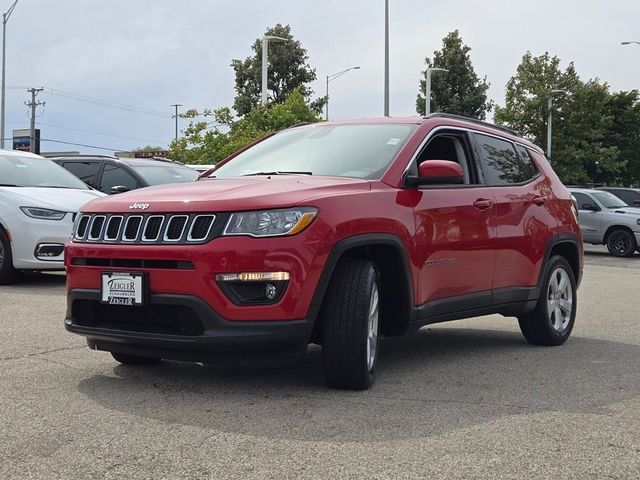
(28, 233)
(184, 327)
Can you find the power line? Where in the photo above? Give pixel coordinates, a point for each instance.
(100, 133)
(106, 103)
(82, 145)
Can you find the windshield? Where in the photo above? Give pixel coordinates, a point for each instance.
(165, 173)
(609, 200)
(356, 151)
(19, 171)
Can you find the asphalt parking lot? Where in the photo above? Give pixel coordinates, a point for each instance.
(459, 400)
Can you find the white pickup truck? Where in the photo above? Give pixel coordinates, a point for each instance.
(607, 220)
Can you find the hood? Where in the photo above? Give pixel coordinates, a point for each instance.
(628, 210)
(232, 194)
(63, 199)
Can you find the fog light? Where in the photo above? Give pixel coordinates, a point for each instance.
(46, 251)
(270, 291)
(253, 288)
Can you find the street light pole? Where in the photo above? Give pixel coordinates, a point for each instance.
(427, 93)
(265, 46)
(5, 19)
(386, 58)
(549, 107)
(330, 78)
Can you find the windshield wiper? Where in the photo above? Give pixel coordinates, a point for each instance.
(279, 172)
(50, 186)
(7, 185)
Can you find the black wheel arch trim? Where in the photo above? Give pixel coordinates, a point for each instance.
(568, 238)
(359, 241)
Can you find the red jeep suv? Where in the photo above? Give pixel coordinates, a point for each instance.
(332, 233)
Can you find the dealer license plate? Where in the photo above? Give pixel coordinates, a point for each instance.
(123, 288)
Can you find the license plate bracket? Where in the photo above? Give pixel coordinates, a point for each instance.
(123, 288)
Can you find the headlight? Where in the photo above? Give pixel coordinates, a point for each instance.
(43, 213)
(270, 223)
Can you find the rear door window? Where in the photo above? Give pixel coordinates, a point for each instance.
(85, 171)
(501, 164)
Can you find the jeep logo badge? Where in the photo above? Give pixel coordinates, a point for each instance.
(139, 206)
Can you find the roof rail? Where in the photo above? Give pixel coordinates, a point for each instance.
(474, 120)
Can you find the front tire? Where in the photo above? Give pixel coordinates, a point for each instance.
(128, 359)
(621, 243)
(551, 322)
(351, 326)
(7, 272)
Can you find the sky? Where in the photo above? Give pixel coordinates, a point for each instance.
(150, 54)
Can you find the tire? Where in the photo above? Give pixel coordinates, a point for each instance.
(621, 243)
(551, 322)
(7, 272)
(128, 359)
(351, 326)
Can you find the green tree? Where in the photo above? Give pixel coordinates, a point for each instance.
(209, 142)
(459, 91)
(624, 133)
(149, 148)
(584, 145)
(288, 70)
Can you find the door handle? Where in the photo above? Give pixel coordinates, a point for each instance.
(539, 200)
(483, 204)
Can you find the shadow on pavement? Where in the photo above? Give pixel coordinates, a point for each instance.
(435, 381)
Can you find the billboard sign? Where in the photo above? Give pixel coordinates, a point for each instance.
(22, 140)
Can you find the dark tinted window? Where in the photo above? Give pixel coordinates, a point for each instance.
(501, 164)
(115, 176)
(528, 167)
(583, 199)
(85, 171)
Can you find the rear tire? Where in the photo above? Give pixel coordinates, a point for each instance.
(621, 243)
(128, 359)
(351, 326)
(7, 272)
(551, 322)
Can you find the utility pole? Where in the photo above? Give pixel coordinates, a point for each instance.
(176, 105)
(5, 19)
(33, 104)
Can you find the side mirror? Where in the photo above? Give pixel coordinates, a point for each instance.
(437, 172)
(119, 189)
(589, 207)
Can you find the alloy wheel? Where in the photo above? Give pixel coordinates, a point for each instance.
(559, 300)
(372, 327)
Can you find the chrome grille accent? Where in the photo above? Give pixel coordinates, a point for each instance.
(95, 231)
(175, 228)
(139, 228)
(82, 226)
(200, 227)
(113, 227)
(131, 228)
(152, 228)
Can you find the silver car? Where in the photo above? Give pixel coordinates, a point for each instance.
(605, 219)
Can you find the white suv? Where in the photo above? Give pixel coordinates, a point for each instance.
(605, 219)
(38, 204)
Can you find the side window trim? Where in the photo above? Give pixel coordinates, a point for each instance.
(463, 136)
(481, 165)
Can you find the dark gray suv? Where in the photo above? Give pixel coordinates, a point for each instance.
(116, 175)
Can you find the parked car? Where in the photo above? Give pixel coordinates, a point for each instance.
(116, 175)
(38, 202)
(332, 233)
(630, 196)
(607, 220)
